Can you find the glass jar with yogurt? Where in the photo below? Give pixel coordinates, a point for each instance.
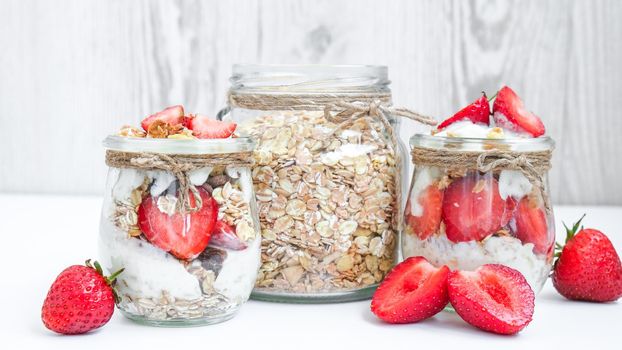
(180, 216)
(479, 195)
(327, 177)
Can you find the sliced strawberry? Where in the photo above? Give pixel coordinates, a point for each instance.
(171, 115)
(531, 226)
(494, 298)
(509, 113)
(431, 200)
(510, 207)
(183, 235)
(473, 208)
(204, 127)
(477, 112)
(224, 236)
(413, 291)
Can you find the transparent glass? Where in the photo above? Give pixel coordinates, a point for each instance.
(181, 269)
(326, 194)
(464, 219)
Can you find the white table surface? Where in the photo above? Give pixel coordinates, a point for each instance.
(44, 234)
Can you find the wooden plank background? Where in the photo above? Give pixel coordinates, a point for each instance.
(73, 71)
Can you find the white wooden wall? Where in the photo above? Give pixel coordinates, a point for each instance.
(73, 71)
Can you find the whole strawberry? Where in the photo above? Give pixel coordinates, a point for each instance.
(588, 267)
(80, 299)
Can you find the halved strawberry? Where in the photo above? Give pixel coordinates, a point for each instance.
(431, 200)
(473, 208)
(172, 115)
(477, 112)
(494, 298)
(224, 236)
(413, 291)
(509, 112)
(205, 127)
(183, 235)
(531, 226)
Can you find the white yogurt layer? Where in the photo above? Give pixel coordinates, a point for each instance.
(162, 180)
(199, 176)
(513, 183)
(468, 129)
(465, 129)
(507, 251)
(424, 177)
(124, 181)
(236, 278)
(148, 269)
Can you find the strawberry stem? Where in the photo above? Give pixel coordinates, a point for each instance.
(111, 279)
(575, 227)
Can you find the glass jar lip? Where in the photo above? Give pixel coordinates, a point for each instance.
(345, 69)
(541, 143)
(309, 78)
(175, 146)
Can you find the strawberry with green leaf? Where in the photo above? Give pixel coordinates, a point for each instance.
(587, 267)
(80, 299)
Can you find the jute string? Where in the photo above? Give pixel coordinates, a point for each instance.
(533, 165)
(180, 165)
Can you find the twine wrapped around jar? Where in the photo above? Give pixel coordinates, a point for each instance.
(180, 165)
(532, 164)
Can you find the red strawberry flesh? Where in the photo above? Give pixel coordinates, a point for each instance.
(431, 201)
(413, 291)
(531, 226)
(494, 298)
(171, 115)
(473, 208)
(477, 112)
(509, 113)
(185, 235)
(205, 127)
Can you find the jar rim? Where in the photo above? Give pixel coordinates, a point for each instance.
(312, 78)
(541, 143)
(176, 146)
(352, 69)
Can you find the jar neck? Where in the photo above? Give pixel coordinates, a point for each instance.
(310, 79)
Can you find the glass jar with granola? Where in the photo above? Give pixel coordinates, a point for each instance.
(179, 215)
(480, 193)
(327, 177)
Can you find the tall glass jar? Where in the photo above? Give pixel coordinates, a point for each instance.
(481, 201)
(180, 217)
(326, 178)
